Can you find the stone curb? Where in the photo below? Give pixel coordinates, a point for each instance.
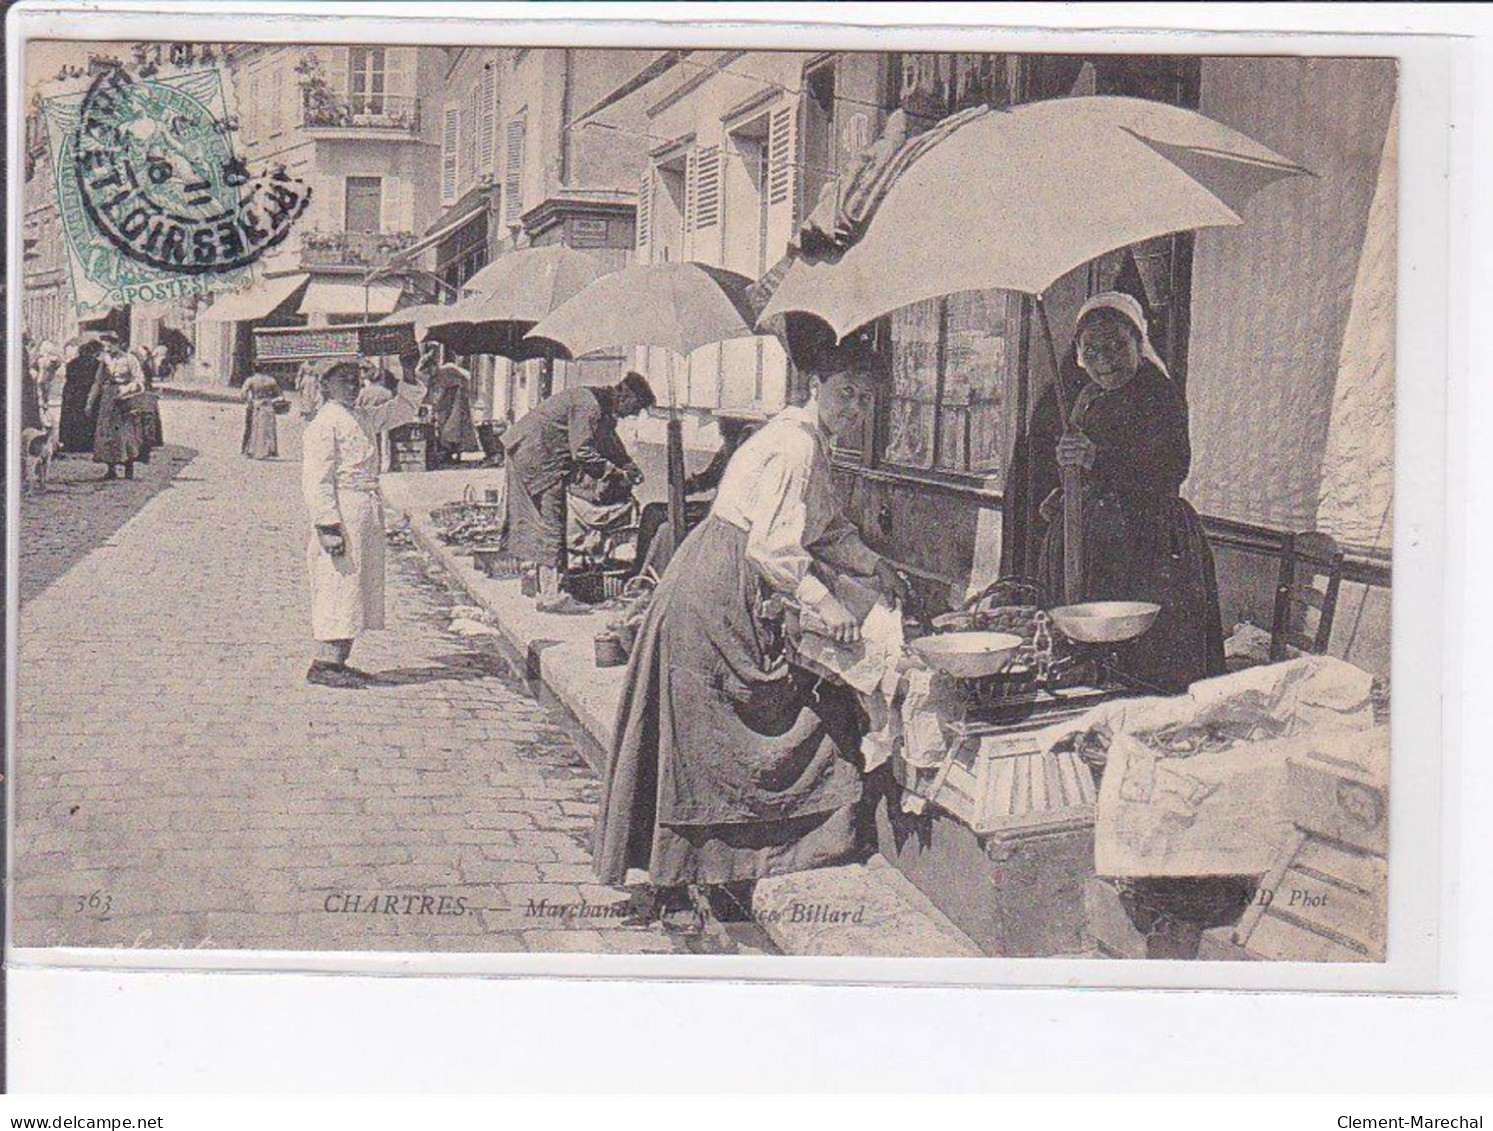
(557, 652)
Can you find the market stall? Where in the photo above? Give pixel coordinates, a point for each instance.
(1051, 805)
(281, 352)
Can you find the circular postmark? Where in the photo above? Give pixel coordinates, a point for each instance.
(157, 177)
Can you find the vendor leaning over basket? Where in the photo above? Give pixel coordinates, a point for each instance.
(573, 431)
(345, 557)
(1141, 540)
(728, 764)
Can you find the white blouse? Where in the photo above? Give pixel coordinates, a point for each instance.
(339, 449)
(777, 488)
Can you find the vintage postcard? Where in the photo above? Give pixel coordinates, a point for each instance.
(704, 502)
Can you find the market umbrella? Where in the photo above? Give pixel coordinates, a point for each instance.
(675, 306)
(526, 285)
(1015, 199)
(509, 295)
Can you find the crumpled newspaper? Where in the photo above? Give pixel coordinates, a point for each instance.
(1195, 784)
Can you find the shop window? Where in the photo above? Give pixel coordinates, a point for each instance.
(950, 371)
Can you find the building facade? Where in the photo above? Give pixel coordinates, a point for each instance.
(742, 145)
(515, 172)
(353, 123)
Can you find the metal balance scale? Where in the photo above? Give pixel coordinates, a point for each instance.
(998, 778)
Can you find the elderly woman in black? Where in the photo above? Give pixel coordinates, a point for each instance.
(1142, 541)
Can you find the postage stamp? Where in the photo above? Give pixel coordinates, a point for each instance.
(155, 202)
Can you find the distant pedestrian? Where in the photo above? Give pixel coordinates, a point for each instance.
(308, 386)
(78, 419)
(345, 557)
(450, 401)
(261, 436)
(147, 408)
(116, 436)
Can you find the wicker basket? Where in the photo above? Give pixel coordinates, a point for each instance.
(448, 516)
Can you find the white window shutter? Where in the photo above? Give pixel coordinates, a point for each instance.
(782, 179)
(450, 136)
(486, 115)
(473, 116)
(399, 71)
(337, 72)
(708, 187)
(645, 216)
(513, 171)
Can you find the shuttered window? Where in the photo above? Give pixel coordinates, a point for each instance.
(513, 171)
(780, 156)
(450, 135)
(487, 118)
(707, 194)
(645, 215)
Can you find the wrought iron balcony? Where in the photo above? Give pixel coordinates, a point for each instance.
(372, 113)
(352, 249)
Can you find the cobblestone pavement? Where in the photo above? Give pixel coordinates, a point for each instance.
(179, 784)
(79, 511)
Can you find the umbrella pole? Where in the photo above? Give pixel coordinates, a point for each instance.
(675, 455)
(1072, 480)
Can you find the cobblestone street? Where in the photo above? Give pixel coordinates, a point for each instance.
(179, 784)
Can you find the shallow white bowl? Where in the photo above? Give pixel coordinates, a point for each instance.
(1104, 622)
(967, 655)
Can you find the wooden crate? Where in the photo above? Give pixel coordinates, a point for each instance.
(1004, 843)
(411, 448)
(1002, 784)
(1323, 901)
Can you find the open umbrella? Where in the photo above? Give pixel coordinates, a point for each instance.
(526, 285)
(509, 295)
(676, 306)
(1016, 199)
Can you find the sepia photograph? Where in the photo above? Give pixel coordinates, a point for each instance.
(703, 502)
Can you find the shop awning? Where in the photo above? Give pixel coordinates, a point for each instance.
(259, 301)
(350, 298)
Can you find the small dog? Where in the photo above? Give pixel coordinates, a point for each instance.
(37, 448)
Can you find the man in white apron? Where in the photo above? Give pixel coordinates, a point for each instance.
(345, 557)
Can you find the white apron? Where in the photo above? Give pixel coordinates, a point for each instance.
(339, 473)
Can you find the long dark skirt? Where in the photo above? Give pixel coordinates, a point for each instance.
(77, 424)
(536, 523)
(1155, 551)
(728, 764)
(116, 439)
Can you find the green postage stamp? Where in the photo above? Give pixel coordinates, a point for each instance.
(155, 203)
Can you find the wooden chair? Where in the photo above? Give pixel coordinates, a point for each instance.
(1311, 572)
